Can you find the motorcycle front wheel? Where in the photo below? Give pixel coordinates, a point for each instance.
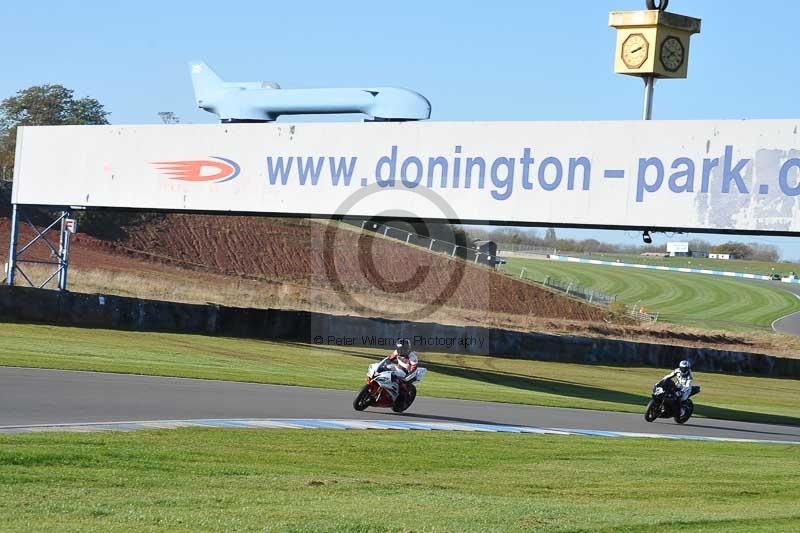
(685, 413)
(651, 413)
(363, 399)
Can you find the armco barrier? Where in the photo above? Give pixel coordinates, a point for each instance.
(726, 274)
(22, 304)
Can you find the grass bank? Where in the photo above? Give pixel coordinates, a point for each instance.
(201, 479)
(694, 300)
(450, 376)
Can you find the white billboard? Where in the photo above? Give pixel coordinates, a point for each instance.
(697, 175)
(678, 247)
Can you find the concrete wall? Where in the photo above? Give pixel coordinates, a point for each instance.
(20, 304)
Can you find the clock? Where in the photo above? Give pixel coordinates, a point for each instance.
(635, 50)
(673, 54)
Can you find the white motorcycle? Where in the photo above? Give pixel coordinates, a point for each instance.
(386, 389)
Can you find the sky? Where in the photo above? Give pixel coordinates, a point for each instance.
(504, 60)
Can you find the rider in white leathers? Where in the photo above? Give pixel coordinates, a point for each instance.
(684, 379)
(402, 360)
(402, 363)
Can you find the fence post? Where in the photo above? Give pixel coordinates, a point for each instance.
(386, 231)
(477, 255)
(12, 246)
(431, 246)
(408, 239)
(363, 223)
(522, 273)
(568, 288)
(455, 247)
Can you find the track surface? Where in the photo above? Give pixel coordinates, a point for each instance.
(36, 396)
(790, 324)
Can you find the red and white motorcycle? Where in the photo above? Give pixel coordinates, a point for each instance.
(386, 388)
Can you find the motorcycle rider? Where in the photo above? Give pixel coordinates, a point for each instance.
(683, 376)
(402, 362)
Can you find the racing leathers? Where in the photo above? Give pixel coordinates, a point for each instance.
(683, 382)
(401, 367)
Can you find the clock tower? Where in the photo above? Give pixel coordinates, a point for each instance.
(653, 43)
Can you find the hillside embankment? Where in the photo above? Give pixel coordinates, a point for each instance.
(300, 264)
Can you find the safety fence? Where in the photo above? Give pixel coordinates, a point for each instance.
(587, 294)
(524, 249)
(786, 279)
(571, 289)
(434, 245)
(578, 291)
(638, 312)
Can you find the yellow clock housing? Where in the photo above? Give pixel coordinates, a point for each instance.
(667, 37)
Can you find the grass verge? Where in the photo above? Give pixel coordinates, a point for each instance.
(317, 480)
(602, 387)
(695, 300)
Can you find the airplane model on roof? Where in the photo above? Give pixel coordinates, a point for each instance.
(265, 101)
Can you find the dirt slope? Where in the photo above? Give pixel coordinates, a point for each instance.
(359, 264)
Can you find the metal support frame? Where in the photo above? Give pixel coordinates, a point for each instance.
(60, 254)
(649, 85)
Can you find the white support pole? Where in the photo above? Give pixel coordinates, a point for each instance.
(408, 239)
(649, 84)
(12, 246)
(431, 246)
(63, 252)
(455, 247)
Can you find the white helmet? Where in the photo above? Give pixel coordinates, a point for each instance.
(685, 367)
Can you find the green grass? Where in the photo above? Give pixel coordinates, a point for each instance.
(765, 268)
(468, 377)
(695, 300)
(307, 480)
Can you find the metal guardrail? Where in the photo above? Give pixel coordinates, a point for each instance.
(639, 313)
(579, 291)
(434, 245)
(525, 249)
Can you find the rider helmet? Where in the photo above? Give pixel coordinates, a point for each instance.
(684, 366)
(403, 347)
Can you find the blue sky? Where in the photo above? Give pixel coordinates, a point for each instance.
(513, 60)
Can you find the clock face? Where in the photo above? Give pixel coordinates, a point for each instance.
(635, 50)
(673, 54)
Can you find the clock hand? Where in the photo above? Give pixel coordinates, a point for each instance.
(636, 50)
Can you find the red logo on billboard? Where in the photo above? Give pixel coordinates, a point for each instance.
(217, 171)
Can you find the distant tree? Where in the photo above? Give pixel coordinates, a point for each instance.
(550, 235)
(765, 252)
(699, 245)
(43, 105)
(738, 249)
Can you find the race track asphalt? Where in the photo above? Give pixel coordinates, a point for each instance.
(35, 396)
(790, 325)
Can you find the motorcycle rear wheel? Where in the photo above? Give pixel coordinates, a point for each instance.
(685, 413)
(651, 413)
(411, 394)
(363, 399)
